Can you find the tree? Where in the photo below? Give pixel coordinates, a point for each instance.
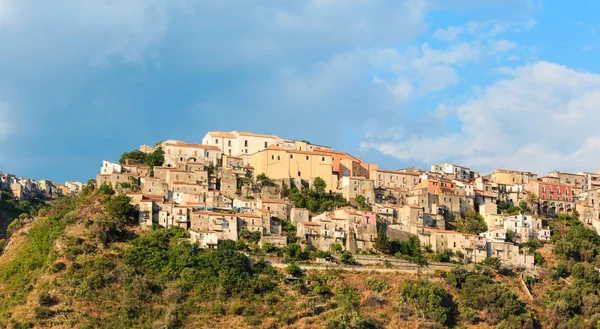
(531, 199)
(524, 208)
(472, 223)
(260, 177)
(510, 235)
(319, 185)
(293, 270)
(156, 158)
(136, 157)
(106, 189)
(361, 200)
(120, 208)
(347, 258)
(285, 190)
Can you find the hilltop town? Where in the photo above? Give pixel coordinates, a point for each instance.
(246, 230)
(235, 183)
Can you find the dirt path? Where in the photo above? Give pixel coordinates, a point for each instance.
(394, 269)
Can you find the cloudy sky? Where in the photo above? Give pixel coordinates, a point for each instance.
(496, 83)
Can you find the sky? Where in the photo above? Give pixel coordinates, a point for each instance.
(511, 84)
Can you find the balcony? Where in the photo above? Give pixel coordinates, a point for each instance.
(339, 234)
(181, 218)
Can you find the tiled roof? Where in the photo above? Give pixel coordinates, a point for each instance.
(221, 134)
(199, 146)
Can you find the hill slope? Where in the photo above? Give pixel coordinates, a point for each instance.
(84, 265)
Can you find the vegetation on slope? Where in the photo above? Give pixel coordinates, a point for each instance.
(11, 208)
(86, 264)
(315, 199)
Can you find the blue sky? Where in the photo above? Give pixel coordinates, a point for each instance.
(498, 83)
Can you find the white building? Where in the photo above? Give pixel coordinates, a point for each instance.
(74, 187)
(452, 170)
(237, 143)
(110, 167)
(526, 227)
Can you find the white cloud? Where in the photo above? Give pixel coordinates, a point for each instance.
(448, 34)
(513, 57)
(543, 117)
(501, 46)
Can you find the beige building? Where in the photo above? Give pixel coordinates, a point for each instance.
(294, 166)
(352, 187)
(575, 180)
(388, 212)
(154, 186)
(473, 247)
(299, 215)
(142, 171)
(223, 225)
(178, 151)
(252, 222)
(114, 179)
(278, 208)
(591, 180)
(512, 177)
(398, 179)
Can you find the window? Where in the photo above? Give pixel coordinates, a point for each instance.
(323, 159)
(266, 145)
(272, 157)
(278, 157)
(291, 156)
(246, 151)
(299, 174)
(216, 141)
(228, 143)
(229, 151)
(207, 154)
(246, 143)
(307, 157)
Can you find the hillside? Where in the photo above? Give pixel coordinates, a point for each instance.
(11, 208)
(84, 265)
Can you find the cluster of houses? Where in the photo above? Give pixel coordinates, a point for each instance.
(212, 189)
(26, 188)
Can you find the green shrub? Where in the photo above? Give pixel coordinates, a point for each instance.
(427, 300)
(45, 299)
(293, 270)
(377, 285)
(42, 313)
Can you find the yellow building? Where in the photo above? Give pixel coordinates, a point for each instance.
(512, 177)
(278, 163)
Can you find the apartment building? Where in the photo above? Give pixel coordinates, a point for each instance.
(295, 166)
(452, 171)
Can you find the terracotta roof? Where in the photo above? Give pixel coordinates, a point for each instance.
(274, 147)
(248, 214)
(242, 133)
(274, 201)
(221, 134)
(199, 146)
(311, 224)
(397, 172)
(210, 213)
(184, 183)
